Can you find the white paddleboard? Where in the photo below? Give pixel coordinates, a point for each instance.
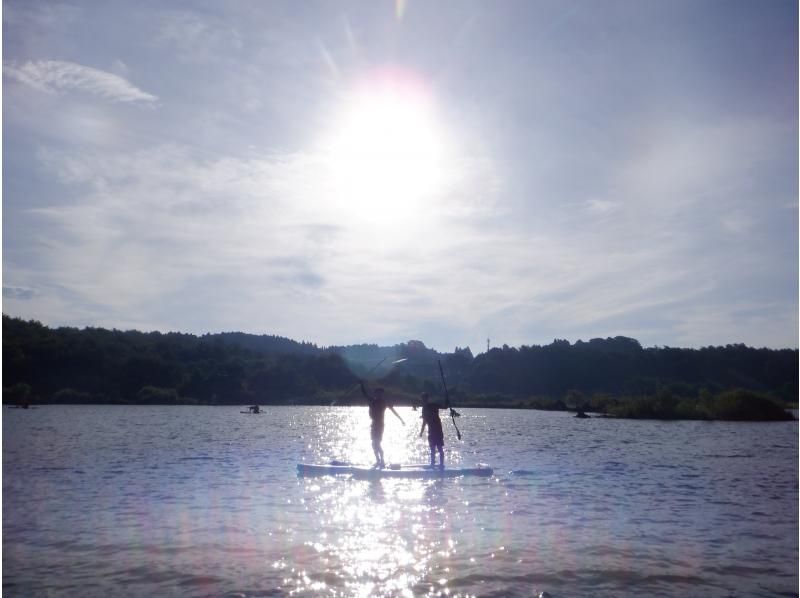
(416, 470)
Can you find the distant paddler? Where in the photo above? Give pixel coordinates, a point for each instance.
(377, 409)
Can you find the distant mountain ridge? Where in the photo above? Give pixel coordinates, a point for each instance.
(265, 343)
(99, 365)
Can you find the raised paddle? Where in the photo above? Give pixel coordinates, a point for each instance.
(453, 412)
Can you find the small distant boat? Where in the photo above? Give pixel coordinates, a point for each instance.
(255, 410)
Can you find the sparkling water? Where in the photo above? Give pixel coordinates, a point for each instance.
(205, 501)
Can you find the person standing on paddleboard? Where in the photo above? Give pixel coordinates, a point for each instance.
(430, 418)
(377, 410)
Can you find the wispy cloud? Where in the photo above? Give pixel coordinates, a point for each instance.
(161, 227)
(582, 197)
(198, 38)
(261, 240)
(58, 76)
(601, 207)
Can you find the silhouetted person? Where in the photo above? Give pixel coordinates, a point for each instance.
(255, 409)
(430, 418)
(377, 409)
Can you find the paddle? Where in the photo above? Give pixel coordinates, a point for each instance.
(375, 367)
(453, 412)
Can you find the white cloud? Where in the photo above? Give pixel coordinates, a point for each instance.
(165, 239)
(156, 229)
(54, 76)
(646, 221)
(198, 37)
(601, 207)
(737, 223)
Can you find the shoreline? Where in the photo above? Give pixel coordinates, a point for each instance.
(589, 414)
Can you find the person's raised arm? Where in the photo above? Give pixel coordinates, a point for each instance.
(364, 390)
(397, 414)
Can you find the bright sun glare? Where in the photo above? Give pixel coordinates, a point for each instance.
(385, 151)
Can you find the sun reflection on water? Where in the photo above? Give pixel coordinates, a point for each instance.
(346, 437)
(380, 537)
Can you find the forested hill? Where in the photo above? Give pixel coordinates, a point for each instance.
(42, 364)
(620, 366)
(263, 343)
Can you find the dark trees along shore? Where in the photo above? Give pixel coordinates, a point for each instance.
(616, 376)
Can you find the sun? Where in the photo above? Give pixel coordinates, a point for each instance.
(385, 151)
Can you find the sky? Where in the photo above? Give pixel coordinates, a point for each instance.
(379, 171)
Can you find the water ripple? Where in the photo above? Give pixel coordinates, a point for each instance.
(118, 500)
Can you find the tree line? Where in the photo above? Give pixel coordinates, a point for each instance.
(96, 365)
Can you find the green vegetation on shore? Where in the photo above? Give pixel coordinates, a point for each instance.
(731, 405)
(614, 376)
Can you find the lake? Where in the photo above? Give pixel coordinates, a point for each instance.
(205, 501)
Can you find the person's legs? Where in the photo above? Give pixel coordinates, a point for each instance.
(376, 444)
(378, 450)
(375, 452)
(436, 442)
(377, 437)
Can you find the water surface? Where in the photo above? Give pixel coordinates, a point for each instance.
(204, 501)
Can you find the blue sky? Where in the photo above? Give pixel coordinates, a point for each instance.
(347, 172)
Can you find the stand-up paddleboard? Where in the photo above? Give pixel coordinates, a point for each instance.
(390, 471)
(332, 468)
(418, 471)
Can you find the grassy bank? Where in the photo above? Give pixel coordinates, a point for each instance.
(732, 405)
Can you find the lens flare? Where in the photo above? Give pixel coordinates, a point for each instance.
(400, 9)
